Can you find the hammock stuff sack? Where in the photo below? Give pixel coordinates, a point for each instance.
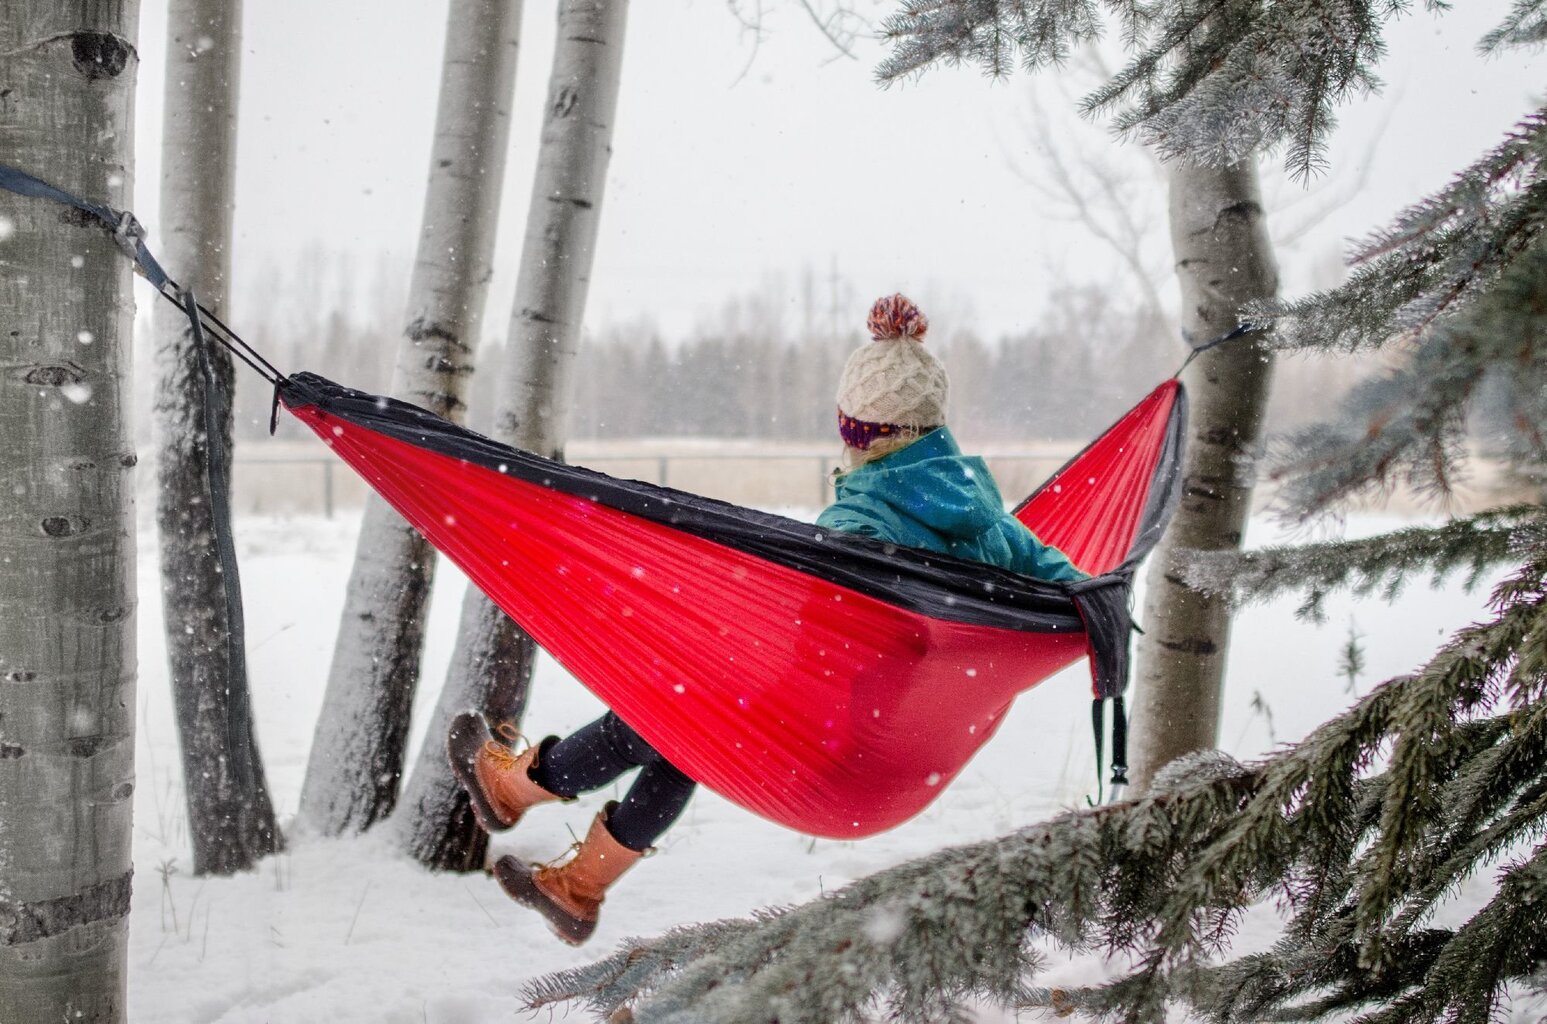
(832, 683)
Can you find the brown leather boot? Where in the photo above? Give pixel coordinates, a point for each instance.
(497, 781)
(570, 895)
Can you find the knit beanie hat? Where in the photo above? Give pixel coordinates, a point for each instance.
(892, 384)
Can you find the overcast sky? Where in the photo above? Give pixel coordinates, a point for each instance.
(737, 160)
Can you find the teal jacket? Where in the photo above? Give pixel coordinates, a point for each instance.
(929, 495)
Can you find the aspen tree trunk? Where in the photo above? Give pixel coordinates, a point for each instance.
(230, 816)
(67, 585)
(1224, 259)
(491, 665)
(356, 763)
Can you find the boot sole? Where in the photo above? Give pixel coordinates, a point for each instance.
(517, 881)
(467, 735)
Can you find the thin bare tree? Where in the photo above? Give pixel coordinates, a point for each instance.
(67, 582)
(230, 815)
(491, 665)
(356, 766)
(1224, 260)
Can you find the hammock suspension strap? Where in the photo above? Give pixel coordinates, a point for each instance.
(129, 235)
(1119, 777)
(218, 479)
(1248, 327)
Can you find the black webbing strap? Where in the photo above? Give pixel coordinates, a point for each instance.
(218, 482)
(1119, 744)
(1197, 350)
(130, 237)
(127, 231)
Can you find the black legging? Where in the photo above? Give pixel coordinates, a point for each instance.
(591, 757)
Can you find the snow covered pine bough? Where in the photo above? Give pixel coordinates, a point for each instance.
(830, 682)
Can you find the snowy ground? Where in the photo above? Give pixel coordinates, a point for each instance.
(350, 930)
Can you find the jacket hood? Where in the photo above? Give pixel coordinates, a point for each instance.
(932, 482)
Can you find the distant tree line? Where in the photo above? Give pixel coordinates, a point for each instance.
(752, 371)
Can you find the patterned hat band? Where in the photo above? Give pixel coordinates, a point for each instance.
(862, 434)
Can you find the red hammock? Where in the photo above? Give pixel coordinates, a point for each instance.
(828, 682)
(832, 683)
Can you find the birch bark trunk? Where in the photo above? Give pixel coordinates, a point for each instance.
(356, 762)
(230, 816)
(1224, 259)
(67, 586)
(491, 664)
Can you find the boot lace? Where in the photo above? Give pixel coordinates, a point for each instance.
(502, 754)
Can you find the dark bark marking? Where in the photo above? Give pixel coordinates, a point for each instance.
(420, 329)
(1245, 211)
(1192, 645)
(129, 461)
(1228, 436)
(538, 317)
(22, 923)
(65, 526)
(85, 746)
(10, 752)
(110, 615)
(443, 163)
(71, 217)
(440, 364)
(564, 102)
(20, 676)
(55, 376)
(100, 54)
(123, 791)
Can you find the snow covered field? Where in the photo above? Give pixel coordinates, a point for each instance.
(351, 930)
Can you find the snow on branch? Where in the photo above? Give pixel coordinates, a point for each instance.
(1207, 81)
(1379, 565)
(1526, 25)
(1457, 285)
(1359, 832)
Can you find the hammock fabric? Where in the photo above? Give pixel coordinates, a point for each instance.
(831, 683)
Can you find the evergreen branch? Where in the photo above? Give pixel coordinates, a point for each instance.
(1525, 25)
(1208, 81)
(1411, 424)
(1164, 878)
(1460, 859)
(1435, 257)
(1371, 565)
(1423, 721)
(1496, 945)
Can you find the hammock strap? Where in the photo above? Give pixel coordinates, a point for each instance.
(218, 479)
(1119, 777)
(1102, 602)
(129, 235)
(1244, 329)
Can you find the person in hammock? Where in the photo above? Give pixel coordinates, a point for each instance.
(904, 481)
